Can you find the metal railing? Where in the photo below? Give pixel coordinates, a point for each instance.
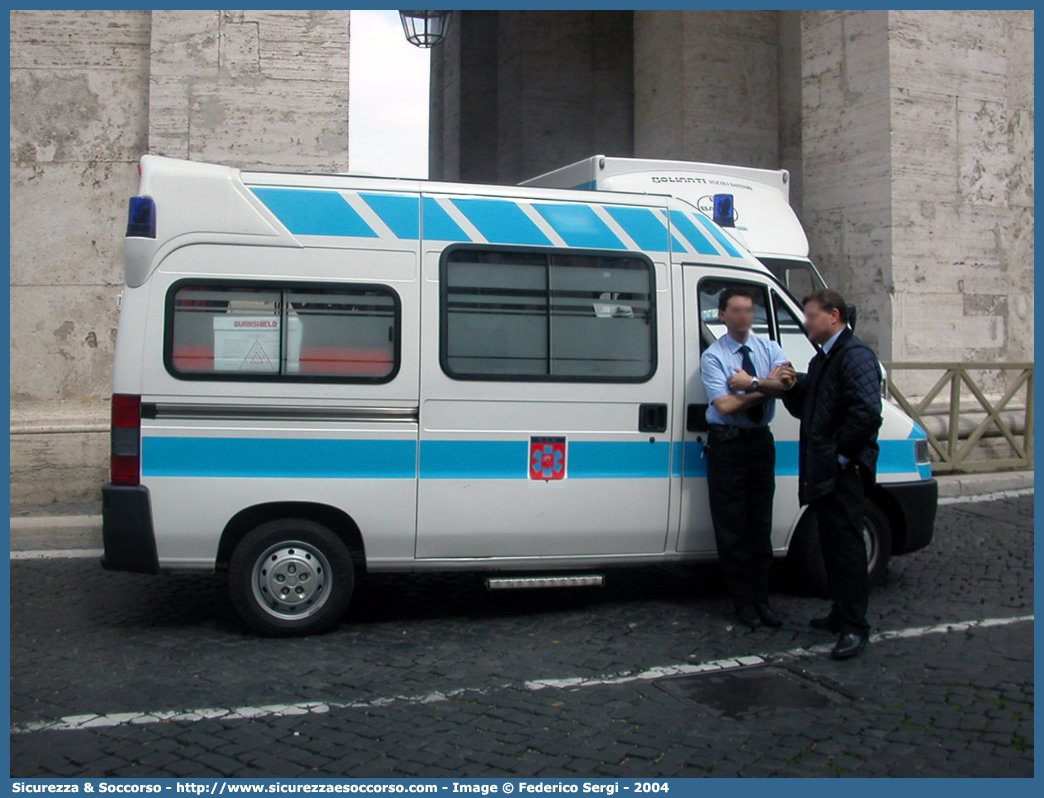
(957, 433)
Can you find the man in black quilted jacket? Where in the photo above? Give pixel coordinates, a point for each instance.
(839, 404)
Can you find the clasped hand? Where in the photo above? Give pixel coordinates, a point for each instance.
(740, 381)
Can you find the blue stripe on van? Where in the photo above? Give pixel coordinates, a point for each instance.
(294, 458)
(474, 459)
(719, 235)
(644, 227)
(579, 226)
(284, 458)
(899, 457)
(502, 222)
(439, 225)
(400, 213)
(694, 463)
(510, 460)
(700, 242)
(787, 458)
(309, 212)
(618, 460)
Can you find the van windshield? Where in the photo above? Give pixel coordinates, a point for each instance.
(799, 277)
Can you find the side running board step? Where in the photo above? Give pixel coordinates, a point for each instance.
(516, 582)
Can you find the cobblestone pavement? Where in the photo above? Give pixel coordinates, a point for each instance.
(433, 676)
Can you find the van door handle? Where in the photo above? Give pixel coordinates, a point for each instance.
(696, 419)
(652, 418)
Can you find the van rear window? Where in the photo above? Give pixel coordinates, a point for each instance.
(547, 316)
(331, 333)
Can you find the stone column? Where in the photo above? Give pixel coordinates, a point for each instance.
(79, 122)
(962, 181)
(463, 101)
(91, 91)
(254, 89)
(847, 159)
(706, 86)
(918, 159)
(526, 92)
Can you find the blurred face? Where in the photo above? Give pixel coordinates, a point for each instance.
(738, 316)
(821, 324)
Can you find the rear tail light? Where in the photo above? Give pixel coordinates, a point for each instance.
(126, 439)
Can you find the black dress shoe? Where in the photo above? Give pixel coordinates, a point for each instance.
(748, 616)
(828, 623)
(848, 646)
(768, 615)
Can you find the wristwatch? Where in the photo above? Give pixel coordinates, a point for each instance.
(754, 383)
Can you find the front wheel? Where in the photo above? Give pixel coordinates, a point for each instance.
(805, 557)
(290, 577)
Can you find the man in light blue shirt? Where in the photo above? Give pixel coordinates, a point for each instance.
(742, 375)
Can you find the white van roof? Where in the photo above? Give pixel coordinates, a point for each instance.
(765, 223)
(280, 209)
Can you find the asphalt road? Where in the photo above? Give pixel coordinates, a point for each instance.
(126, 675)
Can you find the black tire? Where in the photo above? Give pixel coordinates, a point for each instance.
(805, 558)
(290, 577)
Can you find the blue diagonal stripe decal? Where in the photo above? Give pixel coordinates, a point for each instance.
(400, 213)
(699, 241)
(310, 212)
(720, 236)
(579, 226)
(502, 222)
(439, 225)
(644, 227)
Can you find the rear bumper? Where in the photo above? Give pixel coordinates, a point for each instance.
(917, 502)
(127, 534)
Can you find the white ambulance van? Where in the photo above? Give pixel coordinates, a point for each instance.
(319, 375)
(759, 215)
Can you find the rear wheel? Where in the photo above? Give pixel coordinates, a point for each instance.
(290, 577)
(805, 557)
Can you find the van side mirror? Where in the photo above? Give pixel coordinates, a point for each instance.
(850, 311)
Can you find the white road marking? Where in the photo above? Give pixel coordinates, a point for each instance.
(77, 722)
(760, 659)
(80, 722)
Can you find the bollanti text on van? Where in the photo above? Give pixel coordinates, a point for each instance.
(320, 375)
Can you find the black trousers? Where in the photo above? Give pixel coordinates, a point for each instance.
(840, 518)
(741, 479)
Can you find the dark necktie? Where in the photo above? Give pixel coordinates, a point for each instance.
(756, 413)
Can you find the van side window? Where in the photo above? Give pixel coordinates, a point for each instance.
(330, 333)
(547, 316)
(711, 328)
(792, 336)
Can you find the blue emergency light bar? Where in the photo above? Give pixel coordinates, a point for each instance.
(141, 218)
(724, 210)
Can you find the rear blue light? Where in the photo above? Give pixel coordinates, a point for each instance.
(724, 212)
(141, 218)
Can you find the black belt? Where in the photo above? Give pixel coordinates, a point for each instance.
(728, 432)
